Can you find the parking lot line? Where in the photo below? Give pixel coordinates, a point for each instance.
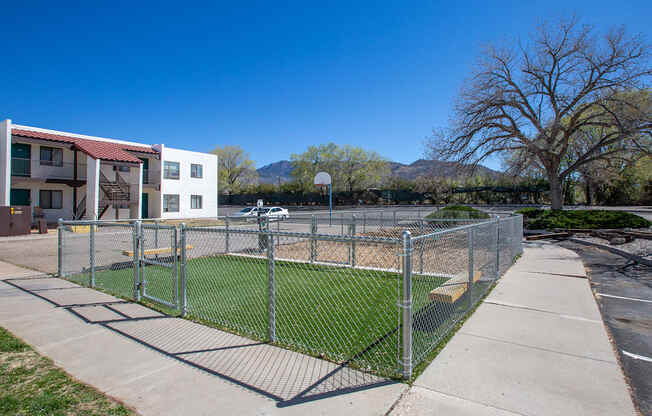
(623, 297)
(636, 356)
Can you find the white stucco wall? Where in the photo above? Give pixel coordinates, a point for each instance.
(186, 186)
(5, 164)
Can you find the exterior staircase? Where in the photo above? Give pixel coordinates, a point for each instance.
(114, 190)
(80, 209)
(114, 193)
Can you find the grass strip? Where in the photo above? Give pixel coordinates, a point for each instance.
(32, 385)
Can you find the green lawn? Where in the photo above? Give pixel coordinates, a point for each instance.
(337, 313)
(32, 385)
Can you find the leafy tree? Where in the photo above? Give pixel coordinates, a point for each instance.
(532, 98)
(315, 159)
(351, 168)
(236, 170)
(359, 168)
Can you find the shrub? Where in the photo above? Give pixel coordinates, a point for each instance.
(530, 212)
(582, 219)
(458, 212)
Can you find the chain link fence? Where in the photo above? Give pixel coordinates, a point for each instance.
(370, 291)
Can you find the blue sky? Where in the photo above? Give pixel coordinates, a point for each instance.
(272, 77)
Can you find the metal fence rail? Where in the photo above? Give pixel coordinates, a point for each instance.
(368, 292)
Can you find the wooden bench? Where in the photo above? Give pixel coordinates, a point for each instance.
(153, 251)
(453, 288)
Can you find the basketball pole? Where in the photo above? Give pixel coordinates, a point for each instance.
(330, 204)
(322, 179)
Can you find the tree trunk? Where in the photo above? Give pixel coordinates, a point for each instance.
(589, 194)
(555, 191)
(568, 194)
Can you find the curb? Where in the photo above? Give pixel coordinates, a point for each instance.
(613, 250)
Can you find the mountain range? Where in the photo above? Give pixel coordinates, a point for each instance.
(281, 170)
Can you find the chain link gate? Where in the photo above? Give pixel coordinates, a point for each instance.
(156, 263)
(378, 301)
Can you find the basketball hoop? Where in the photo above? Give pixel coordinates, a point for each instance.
(324, 179)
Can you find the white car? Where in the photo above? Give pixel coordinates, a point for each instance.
(276, 213)
(247, 212)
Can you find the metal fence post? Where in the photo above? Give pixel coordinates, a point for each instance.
(226, 236)
(497, 248)
(520, 233)
(313, 242)
(272, 288)
(510, 236)
(364, 222)
(470, 284)
(184, 278)
(352, 249)
(136, 241)
(91, 261)
(422, 243)
(406, 305)
(156, 234)
(60, 247)
(394, 218)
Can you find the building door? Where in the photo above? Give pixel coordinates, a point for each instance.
(144, 206)
(20, 197)
(145, 168)
(20, 159)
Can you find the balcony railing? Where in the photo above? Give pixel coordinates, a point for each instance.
(151, 177)
(46, 169)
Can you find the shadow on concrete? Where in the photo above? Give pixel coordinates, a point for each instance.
(288, 377)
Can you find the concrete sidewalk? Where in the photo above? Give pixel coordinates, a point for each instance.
(536, 346)
(161, 365)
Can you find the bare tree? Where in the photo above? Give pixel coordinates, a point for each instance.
(533, 98)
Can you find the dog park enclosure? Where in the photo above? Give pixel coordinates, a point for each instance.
(376, 293)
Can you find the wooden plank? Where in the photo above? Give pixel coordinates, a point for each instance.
(544, 236)
(151, 251)
(454, 288)
(639, 234)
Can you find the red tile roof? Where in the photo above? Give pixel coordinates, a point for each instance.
(117, 152)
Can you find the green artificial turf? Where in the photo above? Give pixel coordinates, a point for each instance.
(337, 313)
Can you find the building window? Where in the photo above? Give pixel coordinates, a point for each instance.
(171, 203)
(195, 201)
(51, 156)
(171, 170)
(50, 199)
(196, 171)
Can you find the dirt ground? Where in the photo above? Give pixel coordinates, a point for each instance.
(448, 255)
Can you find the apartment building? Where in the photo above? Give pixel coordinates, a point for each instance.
(75, 176)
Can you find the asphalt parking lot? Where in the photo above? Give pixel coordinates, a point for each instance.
(624, 294)
(35, 252)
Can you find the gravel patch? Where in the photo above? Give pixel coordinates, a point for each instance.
(638, 247)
